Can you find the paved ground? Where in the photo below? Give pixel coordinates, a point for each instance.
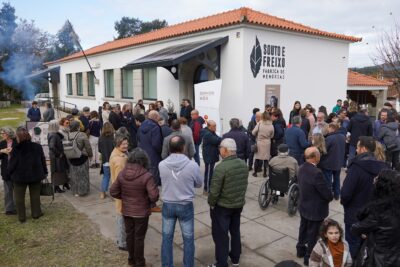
(268, 236)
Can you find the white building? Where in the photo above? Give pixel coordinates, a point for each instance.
(258, 58)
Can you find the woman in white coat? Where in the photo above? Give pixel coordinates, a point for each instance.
(264, 132)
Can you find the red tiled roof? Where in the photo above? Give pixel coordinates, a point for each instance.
(359, 79)
(228, 18)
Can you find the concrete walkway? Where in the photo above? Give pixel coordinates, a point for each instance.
(268, 236)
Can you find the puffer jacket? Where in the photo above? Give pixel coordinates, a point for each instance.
(357, 188)
(229, 183)
(388, 134)
(381, 226)
(321, 256)
(136, 189)
(27, 163)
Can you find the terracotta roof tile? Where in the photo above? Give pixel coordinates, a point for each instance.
(237, 16)
(359, 79)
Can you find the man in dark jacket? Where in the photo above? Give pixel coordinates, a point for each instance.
(359, 125)
(210, 150)
(150, 140)
(196, 125)
(115, 118)
(34, 112)
(186, 110)
(85, 118)
(241, 139)
(358, 186)
(331, 163)
(279, 132)
(226, 200)
(313, 203)
(296, 140)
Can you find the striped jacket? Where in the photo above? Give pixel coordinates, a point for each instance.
(322, 257)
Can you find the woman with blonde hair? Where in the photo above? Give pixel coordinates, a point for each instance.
(318, 141)
(379, 152)
(263, 132)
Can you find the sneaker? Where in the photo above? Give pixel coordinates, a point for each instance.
(155, 209)
(212, 265)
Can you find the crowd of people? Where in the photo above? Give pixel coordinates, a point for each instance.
(144, 153)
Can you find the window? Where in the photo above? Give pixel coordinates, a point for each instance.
(109, 83)
(79, 85)
(69, 84)
(150, 84)
(90, 77)
(200, 75)
(127, 83)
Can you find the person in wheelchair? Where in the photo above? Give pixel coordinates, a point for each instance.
(283, 160)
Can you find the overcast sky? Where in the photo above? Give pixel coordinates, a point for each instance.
(94, 20)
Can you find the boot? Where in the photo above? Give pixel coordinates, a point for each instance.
(102, 195)
(265, 168)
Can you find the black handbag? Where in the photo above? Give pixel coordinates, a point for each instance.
(46, 188)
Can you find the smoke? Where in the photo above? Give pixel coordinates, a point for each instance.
(15, 68)
(25, 54)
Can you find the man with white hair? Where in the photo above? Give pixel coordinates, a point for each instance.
(226, 200)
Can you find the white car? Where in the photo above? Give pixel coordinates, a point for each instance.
(42, 98)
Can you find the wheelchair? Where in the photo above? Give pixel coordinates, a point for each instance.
(276, 185)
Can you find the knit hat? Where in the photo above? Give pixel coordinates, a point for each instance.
(283, 148)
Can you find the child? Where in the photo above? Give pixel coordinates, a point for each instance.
(331, 250)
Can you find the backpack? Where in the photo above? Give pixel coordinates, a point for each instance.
(71, 149)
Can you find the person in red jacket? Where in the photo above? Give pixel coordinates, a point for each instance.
(196, 125)
(137, 190)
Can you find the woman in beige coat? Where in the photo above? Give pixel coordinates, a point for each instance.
(263, 132)
(118, 159)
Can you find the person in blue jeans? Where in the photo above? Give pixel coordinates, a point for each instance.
(179, 178)
(106, 146)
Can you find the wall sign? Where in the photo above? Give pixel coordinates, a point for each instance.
(269, 59)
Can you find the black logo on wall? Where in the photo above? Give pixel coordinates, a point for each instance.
(270, 59)
(255, 58)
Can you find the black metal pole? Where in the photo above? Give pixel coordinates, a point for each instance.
(80, 47)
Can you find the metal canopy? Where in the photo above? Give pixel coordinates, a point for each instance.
(173, 55)
(54, 72)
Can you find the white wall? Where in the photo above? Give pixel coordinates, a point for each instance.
(315, 70)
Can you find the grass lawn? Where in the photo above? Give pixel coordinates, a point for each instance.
(62, 237)
(12, 116)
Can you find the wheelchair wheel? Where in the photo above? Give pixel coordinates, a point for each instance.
(264, 196)
(293, 196)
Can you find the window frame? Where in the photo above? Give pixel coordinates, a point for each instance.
(90, 74)
(79, 83)
(123, 84)
(106, 83)
(69, 84)
(143, 82)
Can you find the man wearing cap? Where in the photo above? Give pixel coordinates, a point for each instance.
(283, 160)
(226, 199)
(75, 117)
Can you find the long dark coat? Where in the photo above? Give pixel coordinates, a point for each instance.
(58, 161)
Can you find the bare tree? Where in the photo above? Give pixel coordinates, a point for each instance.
(387, 55)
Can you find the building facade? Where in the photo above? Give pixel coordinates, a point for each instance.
(260, 59)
